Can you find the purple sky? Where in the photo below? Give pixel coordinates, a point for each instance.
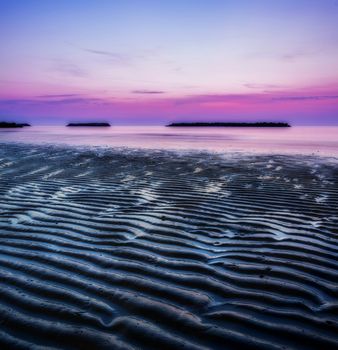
(152, 62)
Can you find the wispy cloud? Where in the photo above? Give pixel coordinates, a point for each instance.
(225, 102)
(218, 98)
(112, 56)
(68, 68)
(60, 96)
(150, 92)
(250, 98)
(54, 101)
(261, 86)
(293, 56)
(77, 100)
(305, 98)
(17, 101)
(290, 56)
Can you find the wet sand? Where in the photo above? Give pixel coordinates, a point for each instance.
(118, 249)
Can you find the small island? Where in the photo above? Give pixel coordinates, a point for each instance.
(89, 124)
(233, 124)
(12, 125)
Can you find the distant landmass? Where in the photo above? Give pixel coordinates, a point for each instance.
(88, 124)
(255, 125)
(12, 125)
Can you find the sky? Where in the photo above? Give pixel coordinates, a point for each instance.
(147, 62)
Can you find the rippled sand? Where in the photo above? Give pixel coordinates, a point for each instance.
(103, 249)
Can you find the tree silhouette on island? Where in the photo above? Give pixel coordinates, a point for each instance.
(12, 125)
(88, 124)
(233, 124)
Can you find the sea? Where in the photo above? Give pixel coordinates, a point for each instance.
(305, 140)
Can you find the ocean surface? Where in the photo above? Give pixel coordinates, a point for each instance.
(294, 140)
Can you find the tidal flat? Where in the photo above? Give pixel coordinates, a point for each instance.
(142, 249)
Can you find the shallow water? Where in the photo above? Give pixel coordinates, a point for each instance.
(294, 140)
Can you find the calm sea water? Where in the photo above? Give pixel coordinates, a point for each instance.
(302, 140)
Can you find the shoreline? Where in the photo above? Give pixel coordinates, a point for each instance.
(316, 156)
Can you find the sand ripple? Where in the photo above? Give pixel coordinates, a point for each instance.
(108, 249)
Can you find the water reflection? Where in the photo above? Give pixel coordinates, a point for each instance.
(304, 140)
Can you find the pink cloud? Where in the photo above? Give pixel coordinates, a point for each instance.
(304, 106)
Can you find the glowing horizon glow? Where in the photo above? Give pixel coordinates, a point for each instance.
(151, 62)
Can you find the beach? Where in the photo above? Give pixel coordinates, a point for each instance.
(105, 248)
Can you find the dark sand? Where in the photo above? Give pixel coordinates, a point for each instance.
(103, 249)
